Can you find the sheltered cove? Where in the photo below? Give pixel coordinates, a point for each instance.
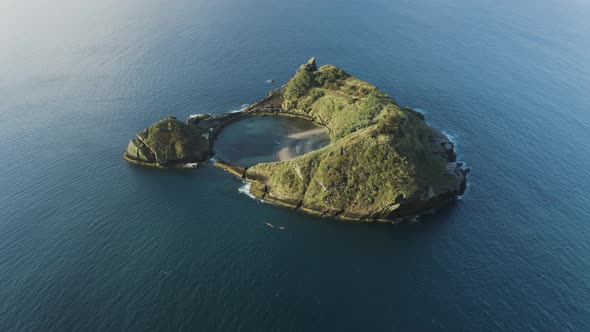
(383, 163)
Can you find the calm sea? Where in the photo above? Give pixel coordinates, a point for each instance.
(90, 242)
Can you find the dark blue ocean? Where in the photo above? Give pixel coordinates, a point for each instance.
(90, 242)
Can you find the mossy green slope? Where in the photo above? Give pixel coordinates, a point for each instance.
(169, 142)
(380, 163)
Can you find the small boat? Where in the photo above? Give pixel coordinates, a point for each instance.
(270, 225)
(282, 228)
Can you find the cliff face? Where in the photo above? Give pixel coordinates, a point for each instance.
(384, 162)
(169, 142)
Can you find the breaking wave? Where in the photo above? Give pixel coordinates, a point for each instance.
(242, 107)
(245, 189)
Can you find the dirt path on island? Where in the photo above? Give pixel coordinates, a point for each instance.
(289, 143)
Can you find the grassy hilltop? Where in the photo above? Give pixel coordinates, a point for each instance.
(381, 162)
(168, 142)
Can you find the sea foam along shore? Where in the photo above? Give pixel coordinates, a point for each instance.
(242, 108)
(457, 144)
(245, 189)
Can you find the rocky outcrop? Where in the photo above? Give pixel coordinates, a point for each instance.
(442, 146)
(167, 143)
(311, 65)
(138, 151)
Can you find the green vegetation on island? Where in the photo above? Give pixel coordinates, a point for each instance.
(169, 142)
(383, 162)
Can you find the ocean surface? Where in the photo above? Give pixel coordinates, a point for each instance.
(89, 242)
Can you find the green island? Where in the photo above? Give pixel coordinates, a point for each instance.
(383, 162)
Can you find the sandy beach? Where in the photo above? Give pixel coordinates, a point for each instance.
(289, 143)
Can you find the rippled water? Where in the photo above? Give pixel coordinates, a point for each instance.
(89, 242)
(261, 139)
